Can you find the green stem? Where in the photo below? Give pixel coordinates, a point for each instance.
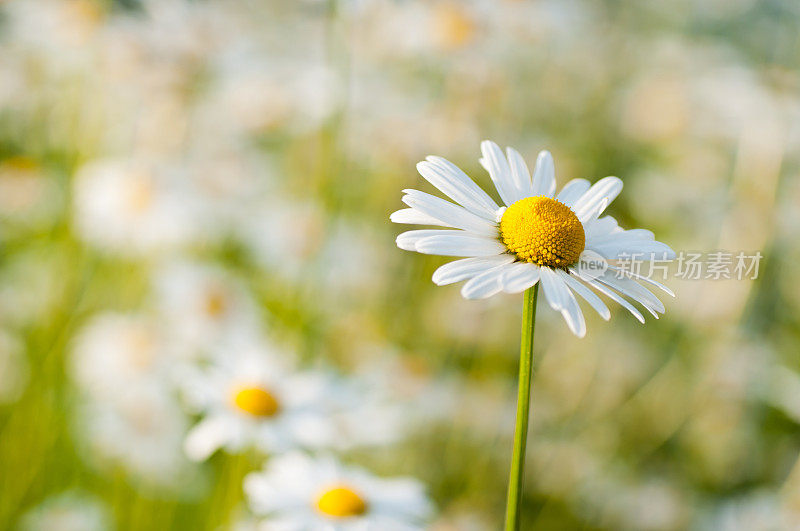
(523, 408)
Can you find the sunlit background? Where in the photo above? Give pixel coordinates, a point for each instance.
(193, 193)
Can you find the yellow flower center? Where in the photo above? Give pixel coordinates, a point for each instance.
(216, 303)
(543, 231)
(341, 502)
(454, 27)
(256, 401)
(141, 193)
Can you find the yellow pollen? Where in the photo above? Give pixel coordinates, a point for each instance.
(543, 231)
(341, 502)
(256, 401)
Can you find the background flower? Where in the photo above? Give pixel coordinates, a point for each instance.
(299, 492)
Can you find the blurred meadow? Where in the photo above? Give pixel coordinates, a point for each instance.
(189, 188)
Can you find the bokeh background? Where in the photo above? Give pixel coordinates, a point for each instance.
(170, 169)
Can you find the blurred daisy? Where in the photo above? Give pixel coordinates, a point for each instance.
(298, 493)
(69, 511)
(27, 196)
(132, 207)
(62, 29)
(203, 304)
(252, 400)
(113, 350)
(759, 510)
(537, 235)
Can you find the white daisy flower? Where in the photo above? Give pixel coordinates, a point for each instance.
(114, 350)
(537, 235)
(253, 400)
(133, 207)
(203, 304)
(296, 492)
(68, 511)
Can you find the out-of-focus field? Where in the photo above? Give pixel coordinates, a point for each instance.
(181, 181)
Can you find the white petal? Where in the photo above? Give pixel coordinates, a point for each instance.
(634, 290)
(475, 191)
(544, 175)
(484, 285)
(554, 289)
(468, 267)
(601, 227)
(445, 211)
(626, 235)
(520, 173)
(591, 214)
(607, 188)
(634, 241)
(209, 435)
(615, 249)
(461, 244)
(643, 278)
(587, 294)
(572, 191)
(642, 234)
(496, 164)
(408, 240)
(519, 277)
(453, 182)
(611, 294)
(409, 216)
(562, 300)
(650, 250)
(573, 315)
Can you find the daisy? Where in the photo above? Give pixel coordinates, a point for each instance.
(68, 511)
(534, 236)
(132, 207)
(113, 350)
(250, 399)
(296, 492)
(27, 196)
(202, 304)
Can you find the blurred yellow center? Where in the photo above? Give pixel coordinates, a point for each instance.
(341, 502)
(453, 26)
(140, 194)
(543, 231)
(216, 303)
(256, 401)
